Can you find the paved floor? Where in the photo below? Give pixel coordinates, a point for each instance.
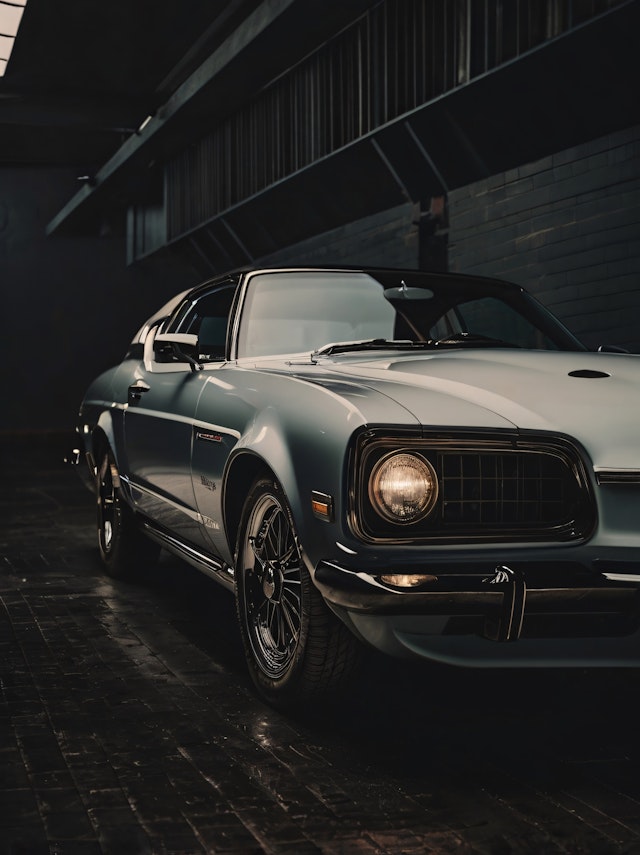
(128, 724)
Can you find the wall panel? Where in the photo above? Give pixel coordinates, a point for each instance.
(567, 228)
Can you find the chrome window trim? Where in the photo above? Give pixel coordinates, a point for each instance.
(616, 476)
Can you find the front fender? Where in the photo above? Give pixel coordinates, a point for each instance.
(303, 456)
(299, 429)
(267, 440)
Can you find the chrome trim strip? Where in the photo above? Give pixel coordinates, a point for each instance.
(105, 405)
(617, 476)
(208, 565)
(622, 577)
(172, 417)
(185, 509)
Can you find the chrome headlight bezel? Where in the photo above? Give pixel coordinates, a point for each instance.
(459, 514)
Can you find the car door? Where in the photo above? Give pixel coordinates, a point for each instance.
(160, 420)
(158, 426)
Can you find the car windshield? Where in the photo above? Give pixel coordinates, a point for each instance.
(298, 311)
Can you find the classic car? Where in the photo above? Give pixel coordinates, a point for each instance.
(428, 463)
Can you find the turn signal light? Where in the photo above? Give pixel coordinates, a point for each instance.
(322, 505)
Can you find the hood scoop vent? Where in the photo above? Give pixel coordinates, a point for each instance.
(585, 372)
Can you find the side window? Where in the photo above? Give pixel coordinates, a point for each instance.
(208, 318)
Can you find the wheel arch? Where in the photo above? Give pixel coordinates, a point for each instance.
(102, 439)
(243, 470)
(288, 446)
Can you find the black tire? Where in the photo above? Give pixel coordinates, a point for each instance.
(125, 551)
(296, 648)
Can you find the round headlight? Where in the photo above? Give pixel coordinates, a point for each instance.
(403, 487)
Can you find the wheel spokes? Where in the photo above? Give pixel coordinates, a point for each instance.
(106, 506)
(272, 589)
(288, 616)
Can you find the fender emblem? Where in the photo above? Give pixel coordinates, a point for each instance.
(208, 483)
(208, 437)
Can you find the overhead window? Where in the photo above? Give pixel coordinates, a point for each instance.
(10, 17)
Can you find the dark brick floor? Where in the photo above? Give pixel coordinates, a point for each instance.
(128, 724)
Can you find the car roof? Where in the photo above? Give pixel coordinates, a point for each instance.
(390, 275)
(382, 273)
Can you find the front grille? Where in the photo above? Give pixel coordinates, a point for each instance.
(502, 490)
(514, 489)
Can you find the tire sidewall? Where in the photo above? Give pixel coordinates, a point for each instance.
(280, 690)
(130, 553)
(108, 553)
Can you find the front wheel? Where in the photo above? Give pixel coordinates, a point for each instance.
(296, 648)
(125, 551)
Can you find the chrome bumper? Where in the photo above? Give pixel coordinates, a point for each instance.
(502, 604)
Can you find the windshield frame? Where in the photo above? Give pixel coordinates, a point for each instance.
(446, 288)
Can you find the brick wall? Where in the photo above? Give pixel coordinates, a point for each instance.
(567, 228)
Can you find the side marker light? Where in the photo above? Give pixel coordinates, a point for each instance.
(322, 505)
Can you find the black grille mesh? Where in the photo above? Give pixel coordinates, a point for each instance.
(515, 489)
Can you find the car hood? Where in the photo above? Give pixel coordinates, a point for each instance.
(593, 397)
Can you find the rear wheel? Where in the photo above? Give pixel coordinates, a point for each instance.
(124, 549)
(296, 648)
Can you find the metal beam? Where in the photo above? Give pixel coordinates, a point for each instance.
(268, 41)
(135, 149)
(71, 111)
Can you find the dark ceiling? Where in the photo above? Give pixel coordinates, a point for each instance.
(84, 74)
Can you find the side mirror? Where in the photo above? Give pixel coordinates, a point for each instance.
(177, 347)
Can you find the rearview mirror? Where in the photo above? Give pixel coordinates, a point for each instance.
(405, 292)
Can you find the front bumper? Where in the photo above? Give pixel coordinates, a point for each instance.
(560, 615)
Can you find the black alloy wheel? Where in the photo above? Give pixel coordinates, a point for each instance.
(125, 551)
(295, 647)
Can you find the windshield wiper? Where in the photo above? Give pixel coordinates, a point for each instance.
(370, 344)
(473, 340)
(453, 340)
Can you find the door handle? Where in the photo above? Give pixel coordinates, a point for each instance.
(136, 390)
